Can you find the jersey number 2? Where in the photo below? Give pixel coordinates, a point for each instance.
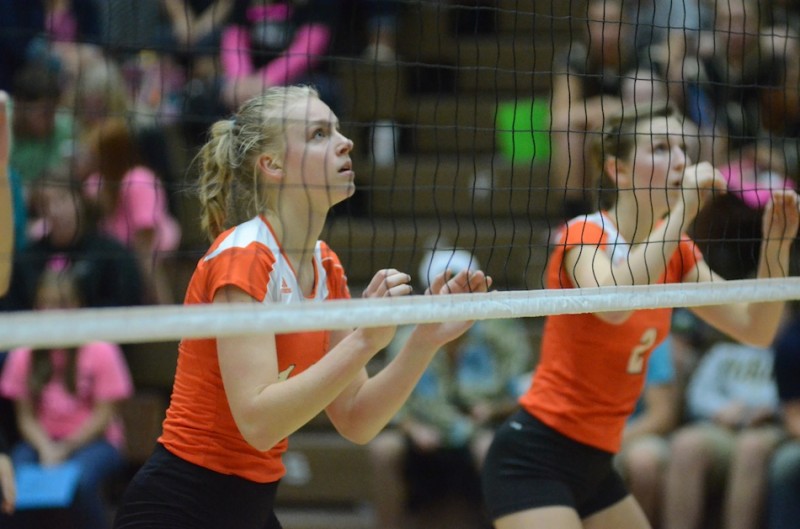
(636, 360)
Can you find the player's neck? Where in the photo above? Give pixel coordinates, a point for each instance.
(634, 221)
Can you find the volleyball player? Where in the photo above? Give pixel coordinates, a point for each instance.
(269, 177)
(550, 464)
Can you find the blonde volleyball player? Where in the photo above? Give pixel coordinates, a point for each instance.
(269, 177)
(550, 465)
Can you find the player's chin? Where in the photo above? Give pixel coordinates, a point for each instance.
(341, 192)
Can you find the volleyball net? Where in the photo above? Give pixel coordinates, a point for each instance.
(472, 120)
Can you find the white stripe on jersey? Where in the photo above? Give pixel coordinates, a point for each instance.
(283, 286)
(617, 248)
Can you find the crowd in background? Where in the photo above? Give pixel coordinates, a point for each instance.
(95, 83)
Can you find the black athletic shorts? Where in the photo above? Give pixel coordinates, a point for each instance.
(171, 493)
(530, 465)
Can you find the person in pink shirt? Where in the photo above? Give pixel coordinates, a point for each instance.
(276, 44)
(132, 202)
(65, 402)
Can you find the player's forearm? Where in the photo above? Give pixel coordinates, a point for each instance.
(6, 231)
(648, 260)
(281, 408)
(379, 399)
(763, 319)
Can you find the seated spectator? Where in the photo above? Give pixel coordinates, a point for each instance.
(103, 94)
(65, 404)
(731, 70)
(265, 44)
(732, 405)
(132, 203)
(779, 93)
(20, 25)
(382, 23)
(277, 43)
(783, 507)
(71, 37)
(586, 86)
(644, 455)
(42, 131)
(65, 229)
(444, 430)
(191, 32)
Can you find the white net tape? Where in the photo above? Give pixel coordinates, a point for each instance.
(163, 323)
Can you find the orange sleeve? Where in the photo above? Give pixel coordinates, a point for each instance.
(574, 234)
(337, 279)
(246, 268)
(688, 255)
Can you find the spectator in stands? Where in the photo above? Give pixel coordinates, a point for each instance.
(783, 509)
(108, 273)
(43, 131)
(644, 455)
(732, 406)
(266, 44)
(443, 431)
(779, 91)
(382, 20)
(586, 87)
(132, 203)
(277, 43)
(65, 403)
(184, 57)
(20, 23)
(103, 94)
(192, 30)
(730, 72)
(71, 37)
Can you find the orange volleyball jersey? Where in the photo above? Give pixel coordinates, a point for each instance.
(591, 373)
(199, 426)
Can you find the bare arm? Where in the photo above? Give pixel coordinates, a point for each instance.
(6, 203)
(647, 260)
(660, 415)
(94, 427)
(210, 19)
(368, 404)
(31, 430)
(266, 405)
(791, 417)
(757, 323)
(7, 484)
(180, 18)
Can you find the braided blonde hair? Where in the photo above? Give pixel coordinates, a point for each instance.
(228, 186)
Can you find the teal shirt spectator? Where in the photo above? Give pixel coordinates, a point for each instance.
(483, 366)
(20, 210)
(660, 371)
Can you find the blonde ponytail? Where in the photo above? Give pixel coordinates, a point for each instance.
(228, 186)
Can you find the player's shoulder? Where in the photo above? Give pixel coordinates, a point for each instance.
(253, 235)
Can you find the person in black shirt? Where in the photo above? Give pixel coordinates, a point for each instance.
(107, 271)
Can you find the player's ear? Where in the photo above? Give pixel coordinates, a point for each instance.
(270, 167)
